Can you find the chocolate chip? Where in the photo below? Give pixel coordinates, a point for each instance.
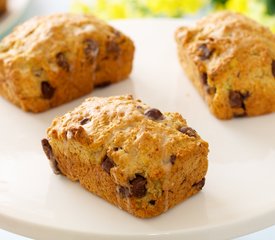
(188, 131)
(91, 49)
(49, 153)
(112, 47)
(152, 202)
(154, 114)
(199, 185)
(204, 52)
(273, 67)
(62, 61)
(47, 148)
(235, 99)
(84, 121)
(245, 95)
(107, 164)
(103, 84)
(47, 90)
(204, 78)
(138, 188)
(208, 89)
(124, 191)
(173, 159)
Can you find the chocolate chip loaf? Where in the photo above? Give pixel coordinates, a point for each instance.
(131, 155)
(231, 61)
(53, 59)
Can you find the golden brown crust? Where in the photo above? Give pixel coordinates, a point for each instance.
(51, 60)
(117, 133)
(230, 59)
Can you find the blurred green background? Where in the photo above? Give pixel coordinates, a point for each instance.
(260, 10)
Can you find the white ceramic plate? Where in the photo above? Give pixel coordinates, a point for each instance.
(15, 10)
(239, 195)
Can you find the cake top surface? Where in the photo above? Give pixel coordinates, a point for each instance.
(53, 30)
(136, 137)
(221, 41)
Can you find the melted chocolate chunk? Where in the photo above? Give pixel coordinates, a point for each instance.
(152, 202)
(204, 78)
(273, 67)
(154, 114)
(47, 148)
(173, 159)
(236, 99)
(245, 95)
(47, 90)
(91, 49)
(204, 52)
(124, 192)
(199, 185)
(208, 89)
(84, 121)
(49, 153)
(117, 148)
(112, 47)
(188, 131)
(62, 61)
(107, 164)
(138, 188)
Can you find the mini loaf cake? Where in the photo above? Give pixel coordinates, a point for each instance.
(51, 60)
(231, 61)
(131, 155)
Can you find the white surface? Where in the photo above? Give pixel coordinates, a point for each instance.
(239, 195)
(265, 234)
(15, 10)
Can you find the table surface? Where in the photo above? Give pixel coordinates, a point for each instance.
(41, 7)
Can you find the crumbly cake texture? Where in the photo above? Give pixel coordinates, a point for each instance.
(231, 61)
(135, 157)
(53, 59)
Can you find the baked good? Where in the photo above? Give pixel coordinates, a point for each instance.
(3, 6)
(231, 61)
(131, 155)
(53, 59)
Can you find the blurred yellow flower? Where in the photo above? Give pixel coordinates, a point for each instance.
(138, 8)
(174, 8)
(113, 9)
(237, 5)
(79, 7)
